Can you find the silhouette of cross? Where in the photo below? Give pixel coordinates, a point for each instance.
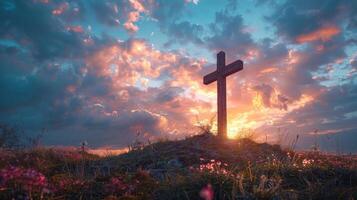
(220, 75)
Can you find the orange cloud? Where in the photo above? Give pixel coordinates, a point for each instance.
(132, 17)
(137, 5)
(323, 34)
(269, 70)
(130, 63)
(131, 27)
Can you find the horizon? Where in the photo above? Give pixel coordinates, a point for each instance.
(110, 72)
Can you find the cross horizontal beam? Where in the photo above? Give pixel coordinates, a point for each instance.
(210, 78)
(228, 70)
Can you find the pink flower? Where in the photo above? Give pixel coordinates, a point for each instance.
(29, 179)
(116, 185)
(207, 192)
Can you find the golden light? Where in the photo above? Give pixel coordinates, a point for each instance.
(138, 46)
(258, 101)
(239, 124)
(304, 99)
(108, 151)
(194, 111)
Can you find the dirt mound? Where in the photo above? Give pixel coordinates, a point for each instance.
(196, 150)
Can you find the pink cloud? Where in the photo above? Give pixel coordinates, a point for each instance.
(323, 34)
(134, 16)
(60, 9)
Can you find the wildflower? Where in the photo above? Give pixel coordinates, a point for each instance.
(307, 162)
(216, 167)
(28, 179)
(116, 185)
(207, 192)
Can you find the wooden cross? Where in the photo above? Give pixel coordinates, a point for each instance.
(220, 75)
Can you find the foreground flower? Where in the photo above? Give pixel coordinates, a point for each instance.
(116, 186)
(207, 192)
(27, 179)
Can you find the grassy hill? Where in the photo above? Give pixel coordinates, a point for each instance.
(198, 167)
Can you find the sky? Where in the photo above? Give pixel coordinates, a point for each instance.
(111, 71)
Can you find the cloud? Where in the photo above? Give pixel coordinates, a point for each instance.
(115, 90)
(46, 38)
(168, 95)
(129, 25)
(308, 21)
(229, 35)
(60, 9)
(133, 16)
(66, 85)
(193, 1)
(266, 92)
(331, 114)
(270, 97)
(185, 32)
(114, 13)
(167, 12)
(226, 33)
(323, 34)
(170, 18)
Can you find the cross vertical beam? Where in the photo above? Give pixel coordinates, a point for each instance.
(221, 96)
(220, 75)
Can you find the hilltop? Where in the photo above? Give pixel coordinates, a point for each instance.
(193, 150)
(201, 165)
